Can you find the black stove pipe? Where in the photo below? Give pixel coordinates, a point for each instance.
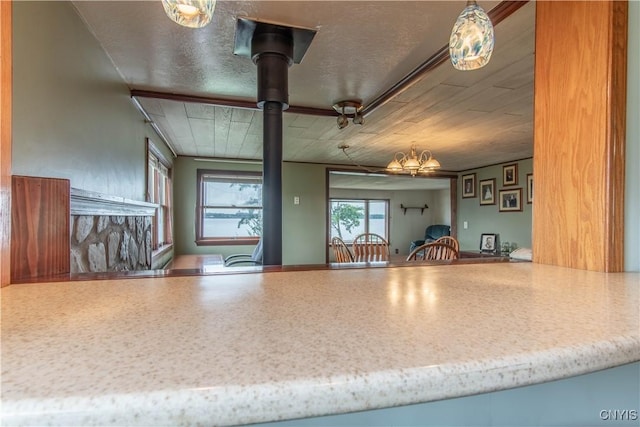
(272, 52)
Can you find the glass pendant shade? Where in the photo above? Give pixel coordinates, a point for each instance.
(412, 164)
(430, 164)
(471, 42)
(190, 13)
(342, 121)
(394, 166)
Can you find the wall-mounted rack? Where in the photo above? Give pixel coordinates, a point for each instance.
(422, 208)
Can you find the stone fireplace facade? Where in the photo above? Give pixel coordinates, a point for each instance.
(110, 243)
(109, 233)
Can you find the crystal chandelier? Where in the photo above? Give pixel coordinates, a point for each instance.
(471, 42)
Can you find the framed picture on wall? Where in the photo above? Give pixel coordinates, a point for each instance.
(510, 175)
(510, 200)
(469, 185)
(488, 191)
(488, 242)
(529, 188)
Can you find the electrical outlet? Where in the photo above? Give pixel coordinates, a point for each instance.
(396, 251)
(465, 225)
(296, 200)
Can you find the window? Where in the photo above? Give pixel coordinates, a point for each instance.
(159, 192)
(350, 217)
(229, 207)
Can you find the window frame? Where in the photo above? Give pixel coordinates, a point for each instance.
(166, 208)
(387, 210)
(219, 241)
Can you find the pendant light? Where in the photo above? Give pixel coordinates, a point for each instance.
(471, 42)
(190, 13)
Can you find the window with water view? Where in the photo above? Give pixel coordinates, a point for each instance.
(350, 217)
(229, 207)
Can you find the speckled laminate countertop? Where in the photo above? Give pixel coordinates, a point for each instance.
(233, 349)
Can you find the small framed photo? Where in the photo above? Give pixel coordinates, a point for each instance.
(469, 186)
(529, 188)
(510, 200)
(510, 175)
(488, 242)
(488, 191)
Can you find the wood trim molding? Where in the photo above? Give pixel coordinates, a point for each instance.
(6, 85)
(234, 103)
(579, 134)
(616, 137)
(453, 195)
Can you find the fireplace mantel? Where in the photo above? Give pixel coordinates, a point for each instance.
(91, 203)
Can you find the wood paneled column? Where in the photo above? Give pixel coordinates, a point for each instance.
(40, 215)
(579, 134)
(6, 85)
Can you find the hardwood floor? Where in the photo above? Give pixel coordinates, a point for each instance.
(201, 262)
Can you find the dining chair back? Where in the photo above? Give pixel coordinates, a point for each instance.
(450, 240)
(370, 247)
(434, 251)
(341, 251)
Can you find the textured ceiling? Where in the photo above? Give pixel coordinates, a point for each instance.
(361, 49)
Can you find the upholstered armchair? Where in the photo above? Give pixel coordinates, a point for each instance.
(431, 234)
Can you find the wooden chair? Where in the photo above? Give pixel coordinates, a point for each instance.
(449, 240)
(433, 251)
(370, 247)
(341, 251)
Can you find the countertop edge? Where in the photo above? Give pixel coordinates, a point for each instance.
(278, 401)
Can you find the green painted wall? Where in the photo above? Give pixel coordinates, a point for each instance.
(304, 236)
(632, 182)
(512, 226)
(72, 114)
(304, 225)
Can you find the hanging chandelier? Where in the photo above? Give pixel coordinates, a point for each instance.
(472, 39)
(412, 163)
(190, 13)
